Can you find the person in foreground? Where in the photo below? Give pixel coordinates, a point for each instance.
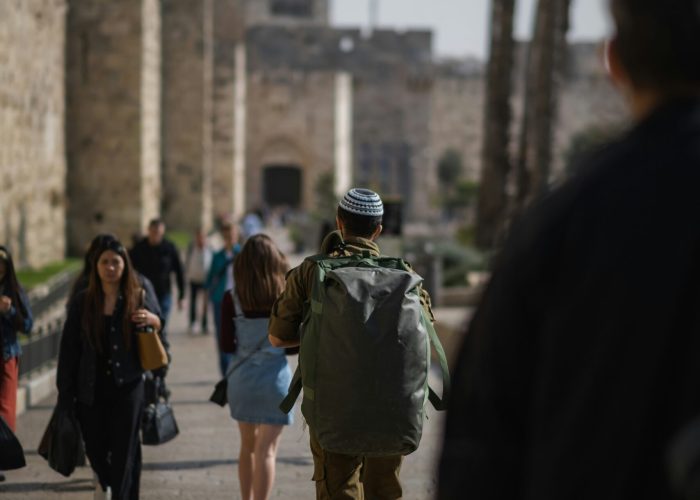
(99, 372)
(580, 367)
(350, 474)
(15, 317)
(259, 375)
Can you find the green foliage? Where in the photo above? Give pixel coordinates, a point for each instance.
(465, 235)
(326, 200)
(458, 260)
(29, 278)
(449, 169)
(180, 238)
(465, 194)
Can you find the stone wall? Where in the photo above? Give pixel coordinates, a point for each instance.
(586, 99)
(112, 120)
(226, 36)
(456, 120)
(391, 97)
(290, 122)
(188, 72)
(32, 164)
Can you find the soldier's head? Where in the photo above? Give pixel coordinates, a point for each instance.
(655, 51)
(360, 214)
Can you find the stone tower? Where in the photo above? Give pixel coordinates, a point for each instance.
(112, 117)
(188, 71)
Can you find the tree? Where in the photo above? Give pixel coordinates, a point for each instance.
(544, 71)
(326, 200)
(449, 169)
(496, 164)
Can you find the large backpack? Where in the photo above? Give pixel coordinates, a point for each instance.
(365, 357)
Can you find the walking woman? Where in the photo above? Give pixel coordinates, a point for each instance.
(99, 372)
(259, 375)
(15, 316)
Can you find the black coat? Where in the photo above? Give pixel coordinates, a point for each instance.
(157, 263)
(582, 361)
(76, 376)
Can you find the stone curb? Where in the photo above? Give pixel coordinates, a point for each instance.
(35, 389)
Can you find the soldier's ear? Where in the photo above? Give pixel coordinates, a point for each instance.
(377, 232)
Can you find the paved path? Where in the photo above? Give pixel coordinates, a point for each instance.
(201, 462)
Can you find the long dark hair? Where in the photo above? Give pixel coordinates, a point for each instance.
(12, 288)
(93, 326)
(259, 272)
(82, 280)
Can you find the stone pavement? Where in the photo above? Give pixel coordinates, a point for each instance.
(201, 462)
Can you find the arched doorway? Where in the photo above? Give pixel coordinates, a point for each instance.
(282, 185)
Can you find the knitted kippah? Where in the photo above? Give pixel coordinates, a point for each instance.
(362, 202)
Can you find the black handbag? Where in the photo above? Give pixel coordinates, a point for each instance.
(11, 452)
(158, 425)
(62, 442)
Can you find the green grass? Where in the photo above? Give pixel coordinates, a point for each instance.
(180, 238)
(29, 278)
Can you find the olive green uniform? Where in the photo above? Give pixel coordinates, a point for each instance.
(337, 476)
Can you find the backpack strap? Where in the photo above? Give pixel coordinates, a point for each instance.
(294, 389)
(438, 403)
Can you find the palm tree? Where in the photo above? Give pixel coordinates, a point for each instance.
(545, 69)
(496, 164)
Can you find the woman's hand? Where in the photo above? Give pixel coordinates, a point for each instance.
(5, 303)
(144, 318)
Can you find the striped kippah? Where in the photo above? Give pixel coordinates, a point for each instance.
(362, 202)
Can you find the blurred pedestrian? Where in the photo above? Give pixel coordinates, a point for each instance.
(197, 263)
(15, 317)
(99, 374)
(157, 258)
(259, 375)
(252, 224)
(581, 363)
(220, 279)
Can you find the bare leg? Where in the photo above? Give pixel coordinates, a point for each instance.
(246, 465)
(265, 455)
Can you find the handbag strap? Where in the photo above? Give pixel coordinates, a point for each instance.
(233, 368)
(237, 307)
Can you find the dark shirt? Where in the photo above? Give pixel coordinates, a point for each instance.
(79, 361)
(157, 263)
(581, 362)
(81, 285)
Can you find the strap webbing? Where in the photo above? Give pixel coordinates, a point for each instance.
(294, 389)
(438, 403)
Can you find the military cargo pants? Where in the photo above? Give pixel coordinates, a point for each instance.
(352, 477)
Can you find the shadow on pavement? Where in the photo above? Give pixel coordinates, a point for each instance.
(299, 461)
(74, 485)
(185, 402)
(187, 464)
(203, 464)
(193, 383)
